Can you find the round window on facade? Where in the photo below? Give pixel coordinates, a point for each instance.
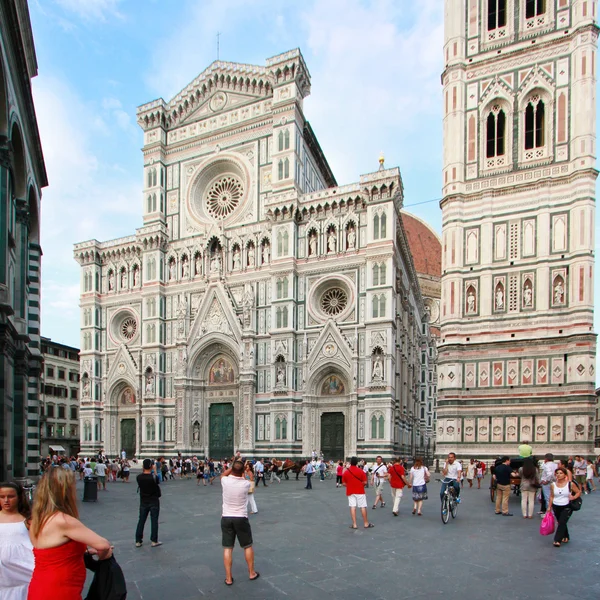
(331, 298)
(124, 327)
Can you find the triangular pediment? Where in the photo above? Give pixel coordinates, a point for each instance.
(216, 315)
(123, 366)
(218, 102)
(331, 346)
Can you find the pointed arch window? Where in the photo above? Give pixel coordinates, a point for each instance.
(150, 430)
(286, 168)
(535, 122)
(382, 274)
(496, 14)
(376, 227)
(382, 305)
(495, 133)
(534, 8)
(153, 177)
(377, 427)
(286, 139)
(375, 274)
(280, 170)
(382, 226)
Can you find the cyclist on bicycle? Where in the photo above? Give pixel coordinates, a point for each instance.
(452, 473)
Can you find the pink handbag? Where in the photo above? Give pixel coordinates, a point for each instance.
(548, 524)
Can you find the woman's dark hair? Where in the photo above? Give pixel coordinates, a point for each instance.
(529, 470)
(23, 503)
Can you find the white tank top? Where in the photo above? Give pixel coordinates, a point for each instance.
(561, 495)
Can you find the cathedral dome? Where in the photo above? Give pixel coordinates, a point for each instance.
(425, 245)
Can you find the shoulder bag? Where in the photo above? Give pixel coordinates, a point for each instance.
(575, 504)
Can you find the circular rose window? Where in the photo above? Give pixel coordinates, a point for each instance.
(334, 301)
(223, 196)
(128, 328)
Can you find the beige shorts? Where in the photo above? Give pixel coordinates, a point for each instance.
(357, 501)
(379, 488)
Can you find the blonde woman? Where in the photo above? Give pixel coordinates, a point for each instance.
(16, 555)
(60, 540)
(419, 476)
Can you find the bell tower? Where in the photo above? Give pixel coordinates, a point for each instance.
(517, 348)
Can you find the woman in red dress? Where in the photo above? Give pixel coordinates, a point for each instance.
(60, 540)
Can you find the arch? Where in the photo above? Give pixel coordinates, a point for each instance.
(19, 173)
(205, 352)
(3, 100)
(321, 381)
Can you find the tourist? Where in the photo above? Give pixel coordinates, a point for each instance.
(471, 472)
(249, 475)
(125, 469)
(322, 467)
(419, 476)
(452, 472)
(564, 465)
(339, 471)
(530, 484)
(60, 540)
(378, 479)
(211, 470)
(546, 478)
(479, 473)
(234, 519)
(580, 471)
(275, 464)
(259, 470)
(562, 492)
(308, 471)
(502, 474)
(100, 472)
(149, 504)
(16, 551)
(397, 478)
(114, 469)
(590, 472)
(354, 479)
(200, 474)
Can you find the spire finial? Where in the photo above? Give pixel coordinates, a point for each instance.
(381, 161)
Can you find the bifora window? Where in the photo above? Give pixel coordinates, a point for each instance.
(533, 8)
(495, 132)
(534, 123)
(496, 14)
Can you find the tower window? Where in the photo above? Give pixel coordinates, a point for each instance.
(533, 8)
(495, 133)
(534, 123)
(496, 14)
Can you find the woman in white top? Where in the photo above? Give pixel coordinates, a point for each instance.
(471, 472)
(562, 492)
(419, 475)
(16, 551)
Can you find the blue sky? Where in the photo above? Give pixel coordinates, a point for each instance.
(375, 67)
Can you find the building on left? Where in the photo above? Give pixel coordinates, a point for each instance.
(22, 176)
(59, 400)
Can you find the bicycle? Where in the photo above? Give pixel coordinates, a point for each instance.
(449, 501)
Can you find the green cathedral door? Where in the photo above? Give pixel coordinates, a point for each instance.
(221, 431)
(332, 436)
(128, 437)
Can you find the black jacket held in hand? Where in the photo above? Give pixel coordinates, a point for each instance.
(108, 582)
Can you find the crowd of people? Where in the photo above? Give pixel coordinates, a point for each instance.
(42, 550)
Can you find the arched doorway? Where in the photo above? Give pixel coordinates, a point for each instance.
(332, 423)
(126, 408)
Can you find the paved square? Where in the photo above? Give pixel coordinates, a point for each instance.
(305, 550)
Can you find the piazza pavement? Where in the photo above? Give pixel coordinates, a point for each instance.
(305, 549)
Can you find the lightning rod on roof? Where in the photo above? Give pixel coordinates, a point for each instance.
(218, 36)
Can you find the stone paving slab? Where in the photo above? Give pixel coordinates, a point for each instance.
(305, 549)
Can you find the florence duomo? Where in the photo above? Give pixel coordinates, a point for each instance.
(261, 306)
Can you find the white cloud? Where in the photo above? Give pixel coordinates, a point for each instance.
(92, 10)
(87, 197)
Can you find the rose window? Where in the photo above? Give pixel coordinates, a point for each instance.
(334, 301)
(223, 196)
(129, 328)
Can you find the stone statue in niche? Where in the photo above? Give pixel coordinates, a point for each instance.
(172, 270)
(198, 265)
(351, 238)
(377, 368)
(266, 254)
(215, 263)
(331, 242)
(86, 388)
(149, 383)
(136, 277)
(527, 295)
(196, 433)
(499, 297)
(123, 279)
(559, 292)
(251, 256)
(470, 301)
(280, 376)
(111, 281)
(185, 268)
(312, 245)
(236, 259)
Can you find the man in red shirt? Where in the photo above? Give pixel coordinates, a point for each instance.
(397, 476)
(354, 480)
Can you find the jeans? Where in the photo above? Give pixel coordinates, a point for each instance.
(455, 485)
(322, 475)
(260, 476)
(159, 476)
(308, 483)
(145, 509)
(562, 514)
(545, 497)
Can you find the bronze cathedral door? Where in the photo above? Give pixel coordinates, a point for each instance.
(332, 436)
(221, 431)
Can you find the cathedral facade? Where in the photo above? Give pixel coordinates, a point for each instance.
(261, 306)
(517, 351)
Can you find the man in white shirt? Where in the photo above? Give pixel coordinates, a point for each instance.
(100, 471)
(234, 519)
(378, 479)
(452, 473)
(259, 472)
(547, 478)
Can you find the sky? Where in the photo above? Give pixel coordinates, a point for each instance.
(375, 68)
